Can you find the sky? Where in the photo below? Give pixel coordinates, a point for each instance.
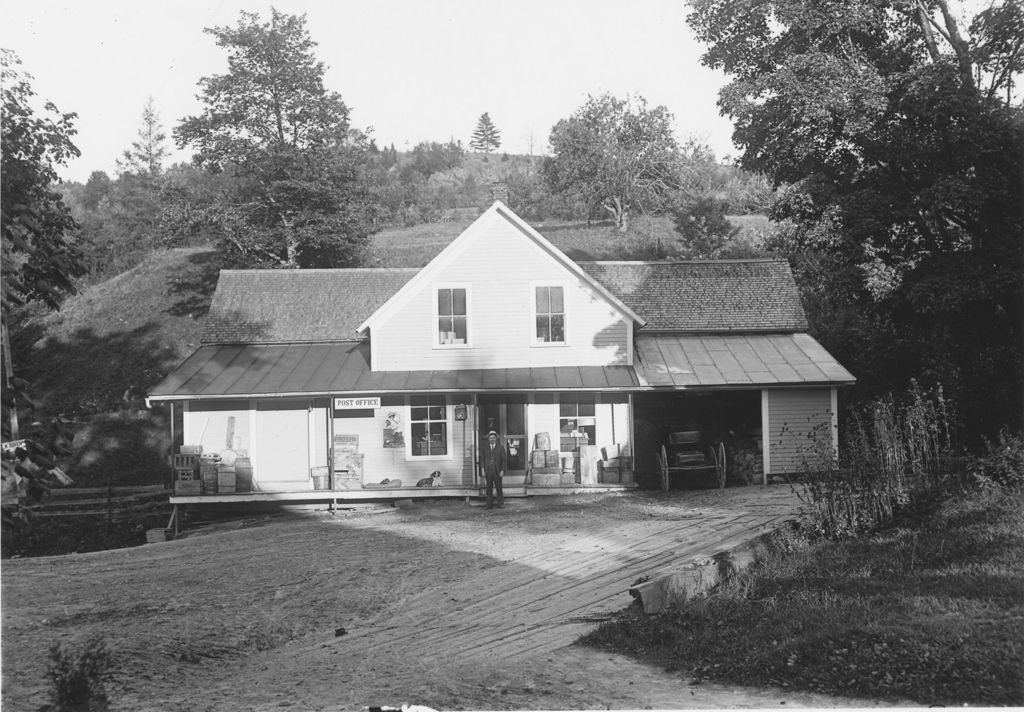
(409, 70)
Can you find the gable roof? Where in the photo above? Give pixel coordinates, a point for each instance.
(706, 296)
(275, 306)
(497, 211)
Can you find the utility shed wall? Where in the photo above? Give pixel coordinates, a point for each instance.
(800, 428)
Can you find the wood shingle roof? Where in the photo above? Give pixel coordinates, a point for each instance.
(730, 296)
(724, 296)
(278, 306)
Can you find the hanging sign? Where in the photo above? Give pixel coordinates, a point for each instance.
(356, 403)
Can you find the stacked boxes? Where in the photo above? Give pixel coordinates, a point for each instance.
(615, 466)
(208, 474)
(544, 462)
(186, 470)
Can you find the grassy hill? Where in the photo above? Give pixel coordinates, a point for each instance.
(120, 337)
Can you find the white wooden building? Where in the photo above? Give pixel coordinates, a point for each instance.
(379, 377)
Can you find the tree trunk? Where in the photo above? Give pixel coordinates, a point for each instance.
(291, 243)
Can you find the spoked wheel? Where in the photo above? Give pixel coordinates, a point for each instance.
(663, 468)
(720, 464)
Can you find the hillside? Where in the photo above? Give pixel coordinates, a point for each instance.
(120, 337)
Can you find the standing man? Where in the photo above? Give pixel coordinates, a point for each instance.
(492, 461)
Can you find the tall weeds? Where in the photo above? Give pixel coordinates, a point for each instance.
(894, 451)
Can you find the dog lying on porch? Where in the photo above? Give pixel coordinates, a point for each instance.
(433, 481)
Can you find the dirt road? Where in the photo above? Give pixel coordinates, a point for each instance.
(442, 604)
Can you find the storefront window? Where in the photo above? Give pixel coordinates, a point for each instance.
(578, 418)
(428, 423)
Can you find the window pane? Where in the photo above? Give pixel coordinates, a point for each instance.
(556, 301)
(567, 410)
(587, 409)
(436, 412)
(444, 301)
(418, 413)
(542, 328)
(558, 327)
(458, 301)
(438, 439)
(419, 400)
(459, 327)
(542, 300)
(420, 444)
(444, 330)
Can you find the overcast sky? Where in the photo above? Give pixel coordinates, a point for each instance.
(411, 70)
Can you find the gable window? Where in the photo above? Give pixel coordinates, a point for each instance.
(549, 310)
(428, 426)
(452, 316)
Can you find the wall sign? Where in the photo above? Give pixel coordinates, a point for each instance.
(356, 403)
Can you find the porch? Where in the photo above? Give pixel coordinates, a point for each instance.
(386, 494)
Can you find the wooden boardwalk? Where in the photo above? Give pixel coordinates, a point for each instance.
(536, 604)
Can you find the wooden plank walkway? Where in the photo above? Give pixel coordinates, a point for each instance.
(539, 603)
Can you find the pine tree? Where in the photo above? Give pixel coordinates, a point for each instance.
(147, 154)
(486, 137)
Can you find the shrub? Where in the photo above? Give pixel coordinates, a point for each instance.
(896, 452)
(78, 677)
(1003, 462)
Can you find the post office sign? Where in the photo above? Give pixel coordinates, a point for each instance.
(357, 403)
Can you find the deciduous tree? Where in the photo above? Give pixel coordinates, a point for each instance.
(39, 263)
(616, 154)
(901, 145)
(272, 122)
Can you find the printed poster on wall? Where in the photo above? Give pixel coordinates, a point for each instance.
(393, 431)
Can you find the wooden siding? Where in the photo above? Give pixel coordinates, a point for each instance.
(794, 416)
(206, 423)
(286, 438)
(500, 269)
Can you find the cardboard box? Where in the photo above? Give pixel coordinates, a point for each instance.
(551, 459)
(542, 441)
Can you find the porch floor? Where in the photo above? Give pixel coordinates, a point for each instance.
(394, 493)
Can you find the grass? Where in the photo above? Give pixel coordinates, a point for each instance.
(930, 610)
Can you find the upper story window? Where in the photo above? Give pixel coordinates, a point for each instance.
(452, 316)
(549, 312)
(428, 426)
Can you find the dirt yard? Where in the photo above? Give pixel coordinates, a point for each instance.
(317, 611)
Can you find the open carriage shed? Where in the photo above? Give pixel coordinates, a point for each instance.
(357, 384)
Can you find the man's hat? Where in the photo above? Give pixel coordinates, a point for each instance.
(492, 433)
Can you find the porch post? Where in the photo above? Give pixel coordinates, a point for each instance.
(476, 437)
(632, 437)
(765, 437)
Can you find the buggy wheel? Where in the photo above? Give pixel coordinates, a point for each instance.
(662, 458)
(720, 458)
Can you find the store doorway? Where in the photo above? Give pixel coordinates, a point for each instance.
(507, 416)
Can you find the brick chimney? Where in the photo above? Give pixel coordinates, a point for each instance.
(499, 191)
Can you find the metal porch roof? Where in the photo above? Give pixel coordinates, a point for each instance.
(274, 370)
(734, 360)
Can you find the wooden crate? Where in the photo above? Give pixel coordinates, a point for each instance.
(546, 479)
(188, 487)
(184, 462)
(157, 535)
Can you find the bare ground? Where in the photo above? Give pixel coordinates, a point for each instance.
(245, 614)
